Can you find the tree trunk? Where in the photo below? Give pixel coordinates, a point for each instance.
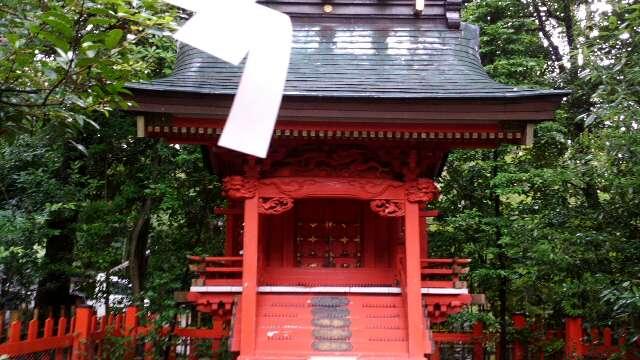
(53, 287)
(138, 245)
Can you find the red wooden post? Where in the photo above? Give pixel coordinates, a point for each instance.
(415, 315)
(478, 340)
(62, 330)
(130, 327)
(607, 338)
(32, 330)
(249, 277)
(518, 349)
(14, 331)
(82, 349)
(573, 334)
(48, 328)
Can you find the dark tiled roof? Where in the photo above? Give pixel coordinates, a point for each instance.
(374, 59)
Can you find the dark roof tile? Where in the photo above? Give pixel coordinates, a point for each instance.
(372, 59)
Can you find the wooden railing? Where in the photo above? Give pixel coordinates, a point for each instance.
(216, 270)
(57, 337)
(444, 273)
(475, 340)
(86, 336)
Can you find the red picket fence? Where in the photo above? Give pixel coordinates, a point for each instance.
(86, 336)
(471, 344)
(579, 343)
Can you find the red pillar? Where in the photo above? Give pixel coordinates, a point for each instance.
(519, 323)
(415, 314)
(82, 349)
(478, 340)
(249, 278)
(130, 326)
(573, 334)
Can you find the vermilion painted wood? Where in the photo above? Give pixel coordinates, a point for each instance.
(518, 349)
(48, 328)
(32, 330)
(37, 345)
(303, 187)
(82, 350)
(249, 277)
(14, 332)
(478, 340)
(62, 326)
(415, 318)
(574, 348)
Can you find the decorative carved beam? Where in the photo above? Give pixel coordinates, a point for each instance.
(422, 190)
(238, 187)
(275, 206)
(390, 208)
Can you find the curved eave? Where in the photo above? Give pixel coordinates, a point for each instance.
(155, 87)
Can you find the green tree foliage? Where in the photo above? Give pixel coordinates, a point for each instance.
(73, 195)
(566, 237)
(60, 60)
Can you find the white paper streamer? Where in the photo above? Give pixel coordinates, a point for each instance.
(229, 29)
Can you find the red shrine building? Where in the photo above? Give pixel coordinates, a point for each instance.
(327, 251)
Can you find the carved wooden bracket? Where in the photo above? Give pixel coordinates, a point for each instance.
(387, 207)
(422, 190)
(274, 206)
(238, 187)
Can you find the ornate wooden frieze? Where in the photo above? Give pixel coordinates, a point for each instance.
(301, 187)
(238, 187)
(387, 207)
(335, 160)
(422, 190)
(274, 206)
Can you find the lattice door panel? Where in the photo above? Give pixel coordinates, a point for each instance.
(312, 243)
(328, 233)
(328, 244)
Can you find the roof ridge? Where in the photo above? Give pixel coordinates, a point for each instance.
(446, 12)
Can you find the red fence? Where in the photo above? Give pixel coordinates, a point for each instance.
(576, 342)
(86, 336)
(475, 342)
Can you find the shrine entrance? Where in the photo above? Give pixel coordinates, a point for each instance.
(329, 234)
(329, 242)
